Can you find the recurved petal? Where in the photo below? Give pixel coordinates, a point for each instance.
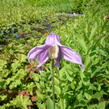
(35, 51)
(42, 58)
(71, 55)
(52, 40)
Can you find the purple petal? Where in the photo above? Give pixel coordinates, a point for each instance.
(52, 40)
(72, 56)
(40, 68)
(35, 51)
(59, 58)
(42, 58)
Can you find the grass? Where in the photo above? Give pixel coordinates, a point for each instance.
(16, 11)
(21, 84)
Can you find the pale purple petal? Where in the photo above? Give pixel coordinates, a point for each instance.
(42, 58)
(35, 51)
(52, 40)
(70, 55)
(59, 58)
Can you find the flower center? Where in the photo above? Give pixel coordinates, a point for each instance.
(53, 52)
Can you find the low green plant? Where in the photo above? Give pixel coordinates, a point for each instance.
(21, 84)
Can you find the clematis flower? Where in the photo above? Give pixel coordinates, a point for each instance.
(53, 48)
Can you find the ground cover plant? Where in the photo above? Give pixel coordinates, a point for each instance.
(25, 24)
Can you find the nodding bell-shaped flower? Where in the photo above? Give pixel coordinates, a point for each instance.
(53, 48)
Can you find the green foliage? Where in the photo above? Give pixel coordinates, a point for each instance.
(22, 86)
(19, 102)
(17, 11)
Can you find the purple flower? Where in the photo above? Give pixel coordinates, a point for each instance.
(53, 48)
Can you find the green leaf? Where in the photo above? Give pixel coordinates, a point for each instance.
(57, 89)
(21, 57)
(101, 105)
(68, 76)
(41, 106)
(49, 103)
(56, 81)
(98, 95)
(35, 77)
(21, 101)
(72, 85)
(14, 84)
(2, 63)
(88, 96)
(82, 44)
(93, 31)
(15, 65)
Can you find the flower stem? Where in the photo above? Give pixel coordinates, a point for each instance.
(53, 88)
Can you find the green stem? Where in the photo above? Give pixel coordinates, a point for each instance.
(61, 96)
(61, 103)
(53, 88)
